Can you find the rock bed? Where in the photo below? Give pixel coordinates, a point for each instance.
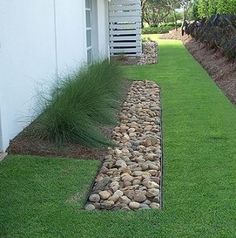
(150, 53)
(130, 177)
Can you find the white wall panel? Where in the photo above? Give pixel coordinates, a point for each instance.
(71, 34)
(35, 45)
(27, 60)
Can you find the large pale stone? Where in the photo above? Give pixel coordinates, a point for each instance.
(139, 196)
(153, 192)
(104, 195)
(155, 205)
(94, 198)
(89, 207)
(125, 200)
(121, 163)
(134, 205)
(113, 198)
(118, 193)
(107, 204)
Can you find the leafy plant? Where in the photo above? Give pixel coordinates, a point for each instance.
(218, 31)
(80, 104)
(207, 8)
(164, 28)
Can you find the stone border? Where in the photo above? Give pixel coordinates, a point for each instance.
(131, 175)
(150, 53)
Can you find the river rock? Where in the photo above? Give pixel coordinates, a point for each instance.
(139, 196)
(89, 207)
(94, 198)
(104, 195)
(134, 205)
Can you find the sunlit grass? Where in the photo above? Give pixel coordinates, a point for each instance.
(199, 169)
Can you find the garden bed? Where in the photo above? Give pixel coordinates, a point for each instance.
(27, 144)
(130, 178)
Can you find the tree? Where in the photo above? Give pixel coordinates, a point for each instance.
(207, 8)
(212, 8)
(173, 4)
(203, 8)
(155, 12)
(195, 9)
(226, 6)
(186, 5)
(143, 4)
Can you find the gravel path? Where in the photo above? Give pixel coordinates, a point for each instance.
(130, 177)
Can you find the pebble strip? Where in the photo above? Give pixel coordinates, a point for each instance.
(150, 53)
(130, 178)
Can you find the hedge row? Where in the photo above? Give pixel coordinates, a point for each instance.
(219, 32)
(162, 29)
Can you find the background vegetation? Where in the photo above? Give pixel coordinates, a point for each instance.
(216, 25)
(162, 16)
(161, 29)
(207, 8)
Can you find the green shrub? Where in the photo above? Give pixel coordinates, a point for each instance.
(156, 30)
(219, 32)
(171, 24)
(80, 104)
(230, 48)
(162, 29)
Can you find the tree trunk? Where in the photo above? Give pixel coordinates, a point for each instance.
(175, 19)
(142, 19)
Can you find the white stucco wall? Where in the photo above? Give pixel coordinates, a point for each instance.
(71, 35)
(31, 52)
(27, 57)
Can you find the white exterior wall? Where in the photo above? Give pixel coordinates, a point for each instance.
(71, 37)
(34, 46)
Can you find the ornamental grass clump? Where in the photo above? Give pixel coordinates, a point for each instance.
(80, 104)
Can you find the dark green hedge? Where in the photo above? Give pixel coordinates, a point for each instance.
(219, 32)
(162, 29)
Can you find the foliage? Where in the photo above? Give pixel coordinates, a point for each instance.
(170, 18)
(203, 8)
(162, 29)
(212, 10)
(207, 8)
(79, 104)
(155, 12)
(217, 32)
(226, 7)
(171, 24)
(195, 10)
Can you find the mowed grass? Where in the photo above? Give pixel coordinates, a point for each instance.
(199, 125)
(39, 195)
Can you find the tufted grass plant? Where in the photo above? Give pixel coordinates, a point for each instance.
(80, 104)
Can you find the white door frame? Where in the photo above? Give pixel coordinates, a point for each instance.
(91, 30)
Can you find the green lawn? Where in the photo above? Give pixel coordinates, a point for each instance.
(199, 176)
